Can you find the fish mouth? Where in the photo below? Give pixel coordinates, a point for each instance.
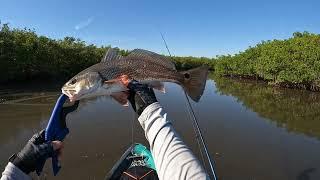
(70, 93)
(73, 98)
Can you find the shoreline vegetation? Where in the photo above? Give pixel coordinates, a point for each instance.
(292, 63)
(26, 56)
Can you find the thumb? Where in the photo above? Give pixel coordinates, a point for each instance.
(58, 146)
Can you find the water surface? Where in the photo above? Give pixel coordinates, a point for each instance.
(252, 131)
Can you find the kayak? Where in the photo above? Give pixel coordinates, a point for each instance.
(135, 163)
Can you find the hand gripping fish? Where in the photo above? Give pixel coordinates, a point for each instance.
(112, 74)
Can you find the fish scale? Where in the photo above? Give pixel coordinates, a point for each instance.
(137, 69)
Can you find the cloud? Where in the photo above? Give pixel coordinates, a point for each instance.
(84, 24)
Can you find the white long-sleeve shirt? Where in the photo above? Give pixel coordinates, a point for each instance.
(14, 173)
(172, 157)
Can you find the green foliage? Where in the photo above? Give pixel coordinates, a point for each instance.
(292, 61)
(25, 56)
(184, 63)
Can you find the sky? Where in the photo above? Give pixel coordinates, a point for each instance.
(191, 28)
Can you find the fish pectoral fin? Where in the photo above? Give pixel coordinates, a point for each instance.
(123, 79)
(158, 86)
(112, 81)
(121, 97)
(116, 83)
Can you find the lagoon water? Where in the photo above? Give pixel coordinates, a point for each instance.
(252, 131)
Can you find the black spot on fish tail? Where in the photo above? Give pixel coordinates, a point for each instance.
(195, 81)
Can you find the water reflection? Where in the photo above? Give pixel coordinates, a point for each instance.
(297, 111)
(236, 128)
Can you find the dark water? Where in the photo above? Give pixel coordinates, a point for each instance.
(252, 131)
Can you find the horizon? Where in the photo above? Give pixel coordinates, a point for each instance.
(206, 29)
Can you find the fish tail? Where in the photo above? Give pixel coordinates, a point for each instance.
(194, 81)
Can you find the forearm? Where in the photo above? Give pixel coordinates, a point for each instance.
(173, 159)
(12, 172)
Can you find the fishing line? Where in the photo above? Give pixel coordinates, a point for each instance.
(132, 134)
(195, 124)
(196, 134)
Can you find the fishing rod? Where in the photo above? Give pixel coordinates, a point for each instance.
(195, 122)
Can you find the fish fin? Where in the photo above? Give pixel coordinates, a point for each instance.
(158, 86)
(121, 81)
(153, 57)
(111, 54)
(195, 81)
(121, 97)
(111, 81)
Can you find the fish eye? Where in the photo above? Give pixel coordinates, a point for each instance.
(73, 81)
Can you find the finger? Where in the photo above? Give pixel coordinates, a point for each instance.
(60, 154)
(125, 80)
(57, 145)
(38, 138)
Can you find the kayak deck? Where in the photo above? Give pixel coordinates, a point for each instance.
(137, 155)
